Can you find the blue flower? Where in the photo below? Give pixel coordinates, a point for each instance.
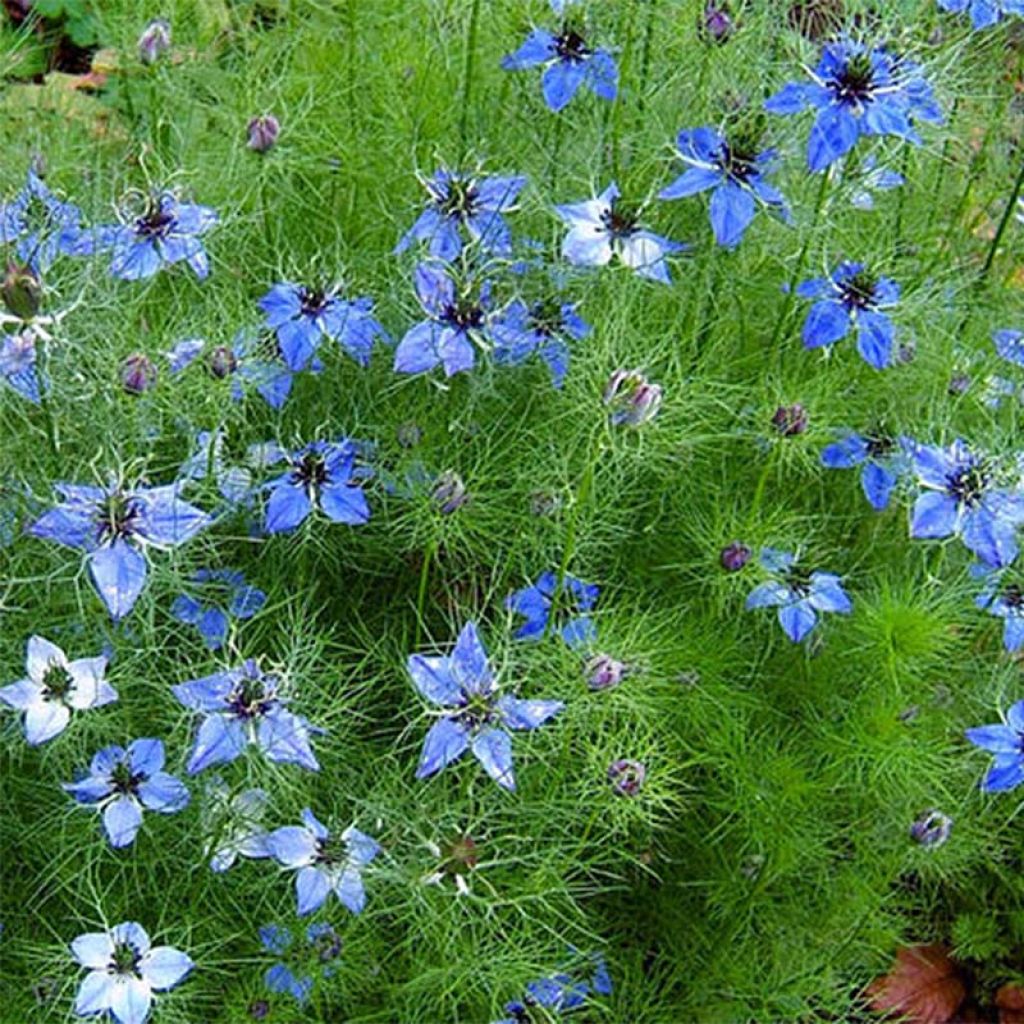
(241, 706)
(301, 316)
(18, 365)
(167, 233)
(121, 783)
(322, 475)
(798, 593)
(1010, 345)
(558, 993)
(857, 91)
(602, 227)
(243, 602)
(464, 201)
(234, 825)
(456, 319)
(984, 13)
(998, 598)
(851, 297)
(873, 179)
(735, 171)
(324, 863)
(575, 600)
(543, 327)
(257, 361)
(124, 971)
(54, 687)
(41, 224)
(1006, 742)
(568, 62)
(961, 500)
(114, 525)
(474, 717)
(882, 459)
(282, 977)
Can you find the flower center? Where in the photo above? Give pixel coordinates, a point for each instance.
(879, 446)
(311, 470)
(546, 317)
(119, 516)
(459, 200)
(619, 219)
(968, 484)
(571, 46)
(858, 291)
(123, 780)
(855, 83)
(125, 959)
(798, 579)
(156, 222)
(738, 160)
(464, 315)
(331, 851)
(250, 698)
(313, 300)
(56, 682)
(1013, 595)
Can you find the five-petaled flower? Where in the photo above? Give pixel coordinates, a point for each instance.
(1009, 344)
(54, 687)
(42, 225)
(19, 364)
(124, 971)
(1006, 742)
(984, 13)
(242, 601)
(851, 297)
(602, 227)
(474, 716)
(961, 499)
(541, 327)
(857, 90)
(324, 862)
(882, 460)
(735, 171)
(568, 61)
(573, 603)
(121, 783)
(558, 993)
(243, 706)
(1003, 599)
(464, 201)
(301, 316)
(798, 593)
(113, 525)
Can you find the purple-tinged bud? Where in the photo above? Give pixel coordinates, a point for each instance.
(958, 384)
(223, 362)
(790, 420)
(632, 398)
(734, 556)
(138, 374)
(603, 672)
(932, 828)
(716, 25)
(544, 504)
(155, 40)
(326, 943)
(409, 435)
(262, 132)
(22, 291)
(259, 1009)
(449, 492)
(626, 776)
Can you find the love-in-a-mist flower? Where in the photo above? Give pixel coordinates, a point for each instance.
(301, 316)
(603, 227)
(1009, 344)
(558, 994)
(872, 179)
(293, 971)
(255, 361)
(19, 364)
(240, 601)
(857, 90)
(243, 706)
(1006, 742)
(569, 61)
(122, 783)
(234, 825)
(115, 525)
(324, 862)
(458, 321)
(962, 499)
(1004, 598)
(851, 298)
(474, 715)
(798, 593)
(54, 687)
(882, 460)
(322, 475)
(39, 225)
(575, 600)
(542, 328)
(984, 13)
(464, 205)
(125, 969)
(735, 172)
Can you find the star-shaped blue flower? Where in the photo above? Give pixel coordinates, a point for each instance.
(542, 327)
(558, 994)
(882, 460)
(1006, 742)
(41, 225)
(212, 620)
(575, 601)
(984, 13)
(474, 716)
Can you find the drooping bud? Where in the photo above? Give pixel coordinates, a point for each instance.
(790, 420)
(632, 398)
(449, 492)
(626, 776)
(716, 25)
(138, 373)
(155, 40)
(262, 132)
(734, 556)
(932, 828)
(604, 672)
(223, 362)
(22, 291)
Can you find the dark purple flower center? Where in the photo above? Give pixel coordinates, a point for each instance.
(313, 301)
(119, 516)
(477, 711)
(546, 317)
(464, 315)
(459, 198)
(56, 682)
(571, 46)
(968, 484)
(738, 160)
(327, 944)
(879, 446)
(331, 851)
(1013, 595)
(156, 222)
(250, 698)
(854, 84)
(858, 290)
(123, 780)
(310, 471)
(619, 219)
(125, 959)
(223, 362)
(798, 579)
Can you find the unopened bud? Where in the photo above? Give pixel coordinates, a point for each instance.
(22, 291)
(262, 132)
(138, 374)
(734, 556)
(155, 40)
(626, 776)
(604, 672)
(716, 24)
(449, 492)
(632, 398)
(790, 420)
(932, 828)
(223, 362)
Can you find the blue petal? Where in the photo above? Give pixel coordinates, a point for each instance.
(445, 742)
(602, 75)
(849, 451)
(469, 666)
(287, 506)
(797, 620)
(768, 595)
(166, 519)
(560, 81)
(349, 889)
(934, 516)
(538, 48)
(121, 820)
(877, 483)
(163, 792)
(119, 573)
(690, 182)
(527, 714)
(1004, 774)
(417, 351)
(493, 749)
(311, 888)
(284, 738)
(833, 134)
(874, 338)
(220, 739)
(731, 209)
(434, 679)
(827, 322)
(213, 627)
(344, 504)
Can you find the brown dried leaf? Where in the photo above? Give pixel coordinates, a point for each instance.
(924, 986)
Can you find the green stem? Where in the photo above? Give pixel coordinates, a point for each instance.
(1007, 213)
(645, 60)
(421, 595)
(467, 71)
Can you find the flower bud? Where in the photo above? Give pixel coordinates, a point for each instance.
(449, 492)
(932, 828)
(155, 40)
(22, 291)
(138, 374)
(326, 942)
(633, 399)
(409, 435)
(604, 672)
(790, 420)
(734, 556)
(223, 362)
(626, 776)
(958, 384)
(262, 132)
(716, 25)
(259, 1009)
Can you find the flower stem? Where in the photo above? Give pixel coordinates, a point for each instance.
(1007, 213)
(421, 595)
(467, 70)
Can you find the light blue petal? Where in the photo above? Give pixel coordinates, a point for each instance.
(119, 573)
(445, 742)
(493, 749)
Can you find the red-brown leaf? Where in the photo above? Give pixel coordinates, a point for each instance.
(924, 986)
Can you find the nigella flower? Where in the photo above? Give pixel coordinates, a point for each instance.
(734, 170)
(1006, 742)
(574, 601)
(851, 297)
(873, 179)
(632, 398)
(961, 499)
(322, 475)
(324, 862)
(19, 364)
(114, 525)
(234, 825)
(301, 316)
(798, 593)
(457, 318)
(602, 227)
(984, 13)
(882, 459)
(474, 717)
(53, 687)
(568, 62)
(558, 993)
(543, 328)
(233, 482)
(857, 91)
(243, 706)
(1000, 598)
(124, 971)
(282, 976)
(465, 201)
(1010, 345)
(121, 783)
(257, 360)
(167, 232)
(212, 620)
(41, 224)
